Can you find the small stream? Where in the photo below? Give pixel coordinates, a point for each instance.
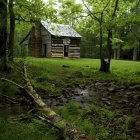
(120, 98)
(83, 97)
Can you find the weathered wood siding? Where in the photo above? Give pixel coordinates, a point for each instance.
(42, 44)
(74, 48)
(57, 49)
(35, 41)
(46, 39)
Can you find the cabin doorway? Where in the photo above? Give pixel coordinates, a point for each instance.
(66, 47)
(44, 50)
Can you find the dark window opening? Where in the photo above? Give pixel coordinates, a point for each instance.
(66, 50)
(45, 50)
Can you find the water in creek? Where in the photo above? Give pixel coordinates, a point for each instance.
(83, 97)
(122, 98)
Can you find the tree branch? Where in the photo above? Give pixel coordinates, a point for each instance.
(106, 6)
(91, 13)
(12, 82)
(115, 8)
(9, 98)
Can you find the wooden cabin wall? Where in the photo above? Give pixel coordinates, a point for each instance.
(46, 39)
(74, 48)
(39, 37)
(35, 42)
(57, 49)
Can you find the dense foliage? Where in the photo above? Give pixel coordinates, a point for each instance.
(85, 17)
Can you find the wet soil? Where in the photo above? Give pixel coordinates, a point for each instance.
(121, 98)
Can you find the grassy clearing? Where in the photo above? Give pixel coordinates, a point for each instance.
(50, 76)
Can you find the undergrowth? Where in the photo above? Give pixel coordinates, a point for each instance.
(98, 122)
(51, 76)
(35, 130)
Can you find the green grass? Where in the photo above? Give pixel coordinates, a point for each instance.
(35, 130)
(49, 76)
(98, 122)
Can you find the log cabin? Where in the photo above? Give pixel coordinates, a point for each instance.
(52, 40)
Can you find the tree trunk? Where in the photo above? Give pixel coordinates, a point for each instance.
(3, 33)
(135, 53)
(105, 66)
(109, 47)
(119, 53)
(115, 54)
(12, 31)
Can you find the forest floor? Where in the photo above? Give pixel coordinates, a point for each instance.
(105, 106)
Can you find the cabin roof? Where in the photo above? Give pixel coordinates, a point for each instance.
(25, 38)
(60, 29)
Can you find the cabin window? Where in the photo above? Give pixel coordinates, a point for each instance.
(66, 47)
(44, 50)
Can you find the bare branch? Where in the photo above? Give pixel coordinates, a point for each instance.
(115, 8)
(91, 13)
(9, 98)
(106, 6)
(12, 82)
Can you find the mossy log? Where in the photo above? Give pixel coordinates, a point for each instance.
(69, 132)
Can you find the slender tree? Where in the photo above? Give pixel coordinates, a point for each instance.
(100, 17)
(106, 65)
(12, 31)
(3, 33)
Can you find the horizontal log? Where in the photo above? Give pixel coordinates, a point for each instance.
(58, 48)
(74, 55)
(74, 48)
(57, 54)
(58, 44)
(75, 45)
(75, 42)
(57, 51)
(74, 52)
(57, 41)
(57, 38)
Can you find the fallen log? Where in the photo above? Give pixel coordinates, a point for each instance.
(68, 131)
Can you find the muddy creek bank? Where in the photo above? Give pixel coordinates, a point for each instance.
(121, 98)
